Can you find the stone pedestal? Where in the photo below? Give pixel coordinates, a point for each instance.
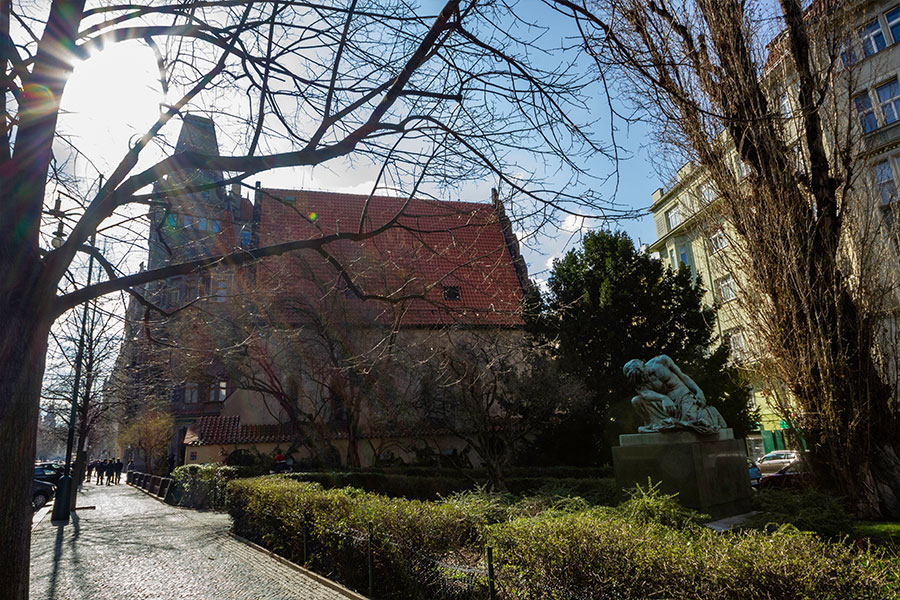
(709, 473)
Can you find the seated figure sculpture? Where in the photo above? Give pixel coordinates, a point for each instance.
(669, 400)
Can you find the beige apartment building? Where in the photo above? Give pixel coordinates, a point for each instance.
(869, 69)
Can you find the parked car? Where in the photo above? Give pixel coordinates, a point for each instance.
(49, 472)
(792, 476)
(755, 473)
(776, 459)
(41, 493)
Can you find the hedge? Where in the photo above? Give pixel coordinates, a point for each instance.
(203, 485)
(601, 491)
(545, 547)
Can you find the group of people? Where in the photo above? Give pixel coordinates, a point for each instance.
(109, 469)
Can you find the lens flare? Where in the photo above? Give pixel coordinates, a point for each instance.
(313, 216)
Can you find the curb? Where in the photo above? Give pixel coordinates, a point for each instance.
(346, 592)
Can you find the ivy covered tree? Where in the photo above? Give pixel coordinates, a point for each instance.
(608, 303)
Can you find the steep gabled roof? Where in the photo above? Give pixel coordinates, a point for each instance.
(433, 251)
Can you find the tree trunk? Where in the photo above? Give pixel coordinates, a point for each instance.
(23, 345)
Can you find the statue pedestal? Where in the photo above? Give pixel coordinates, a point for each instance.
(709, 473)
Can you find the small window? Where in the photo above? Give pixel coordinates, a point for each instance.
(188, 221)
(221, 290)
(784, 105)
(451, 292)
(205, 195)
(290, 199)
(214, 225)
(218, 391)
(893, 22)
(673, 217)
(708, 193)
(201, 224)
(172, 221)
(884, 182)
(889, 100)
(866, 113)
(684, 255)
(725, 285)
(848, 54)
(245, 238)
(872, 38)
(737, 342)
(191, 393)
(717, 241)
(173, 295)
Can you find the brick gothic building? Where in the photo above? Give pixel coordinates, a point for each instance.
(315, 352)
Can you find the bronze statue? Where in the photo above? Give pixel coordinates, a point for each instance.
(669, 400)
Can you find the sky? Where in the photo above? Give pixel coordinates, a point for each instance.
(114, 97)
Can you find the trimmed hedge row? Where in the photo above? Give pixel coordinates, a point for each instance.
(545, 547)
(433, 487)
(203, 485)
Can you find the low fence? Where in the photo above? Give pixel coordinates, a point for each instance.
(161, 487)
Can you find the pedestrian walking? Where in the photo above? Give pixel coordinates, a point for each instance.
(118, 469)
(89, 470)
(110, 471)
(101, 471)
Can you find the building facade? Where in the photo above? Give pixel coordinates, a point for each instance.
(319, 352)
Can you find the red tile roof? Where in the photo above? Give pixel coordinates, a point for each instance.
(228, 430)
(431, 246)
(224, 431)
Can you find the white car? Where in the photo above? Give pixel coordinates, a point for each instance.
(776, 459)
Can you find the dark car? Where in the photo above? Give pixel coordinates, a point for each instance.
(49, 472)
(794, 475)
(41, 493)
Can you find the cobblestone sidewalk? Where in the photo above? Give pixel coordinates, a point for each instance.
(136, 548)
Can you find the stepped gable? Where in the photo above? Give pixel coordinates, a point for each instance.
(450, 259)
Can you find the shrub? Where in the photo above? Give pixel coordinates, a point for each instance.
(648, 505)
(807, 510)
(203, 485)
(328, 531)
(601, 554)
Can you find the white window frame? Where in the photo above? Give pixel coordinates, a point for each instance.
(892, 19)
(684, 255)
(738, 342)
(892, 102)
(885, 183)
(725, 289)
(717, 241)
(869, 37)
(673, 217)
(866, 113)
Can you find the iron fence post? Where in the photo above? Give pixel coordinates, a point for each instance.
(492, 593)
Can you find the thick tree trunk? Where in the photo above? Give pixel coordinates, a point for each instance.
(23, 345)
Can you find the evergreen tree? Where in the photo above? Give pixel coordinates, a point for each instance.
(607, 304)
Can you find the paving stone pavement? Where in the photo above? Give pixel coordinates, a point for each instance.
(136, 548)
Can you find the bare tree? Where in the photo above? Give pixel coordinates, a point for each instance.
(496, 393)
(421, 98)
(808, 240)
